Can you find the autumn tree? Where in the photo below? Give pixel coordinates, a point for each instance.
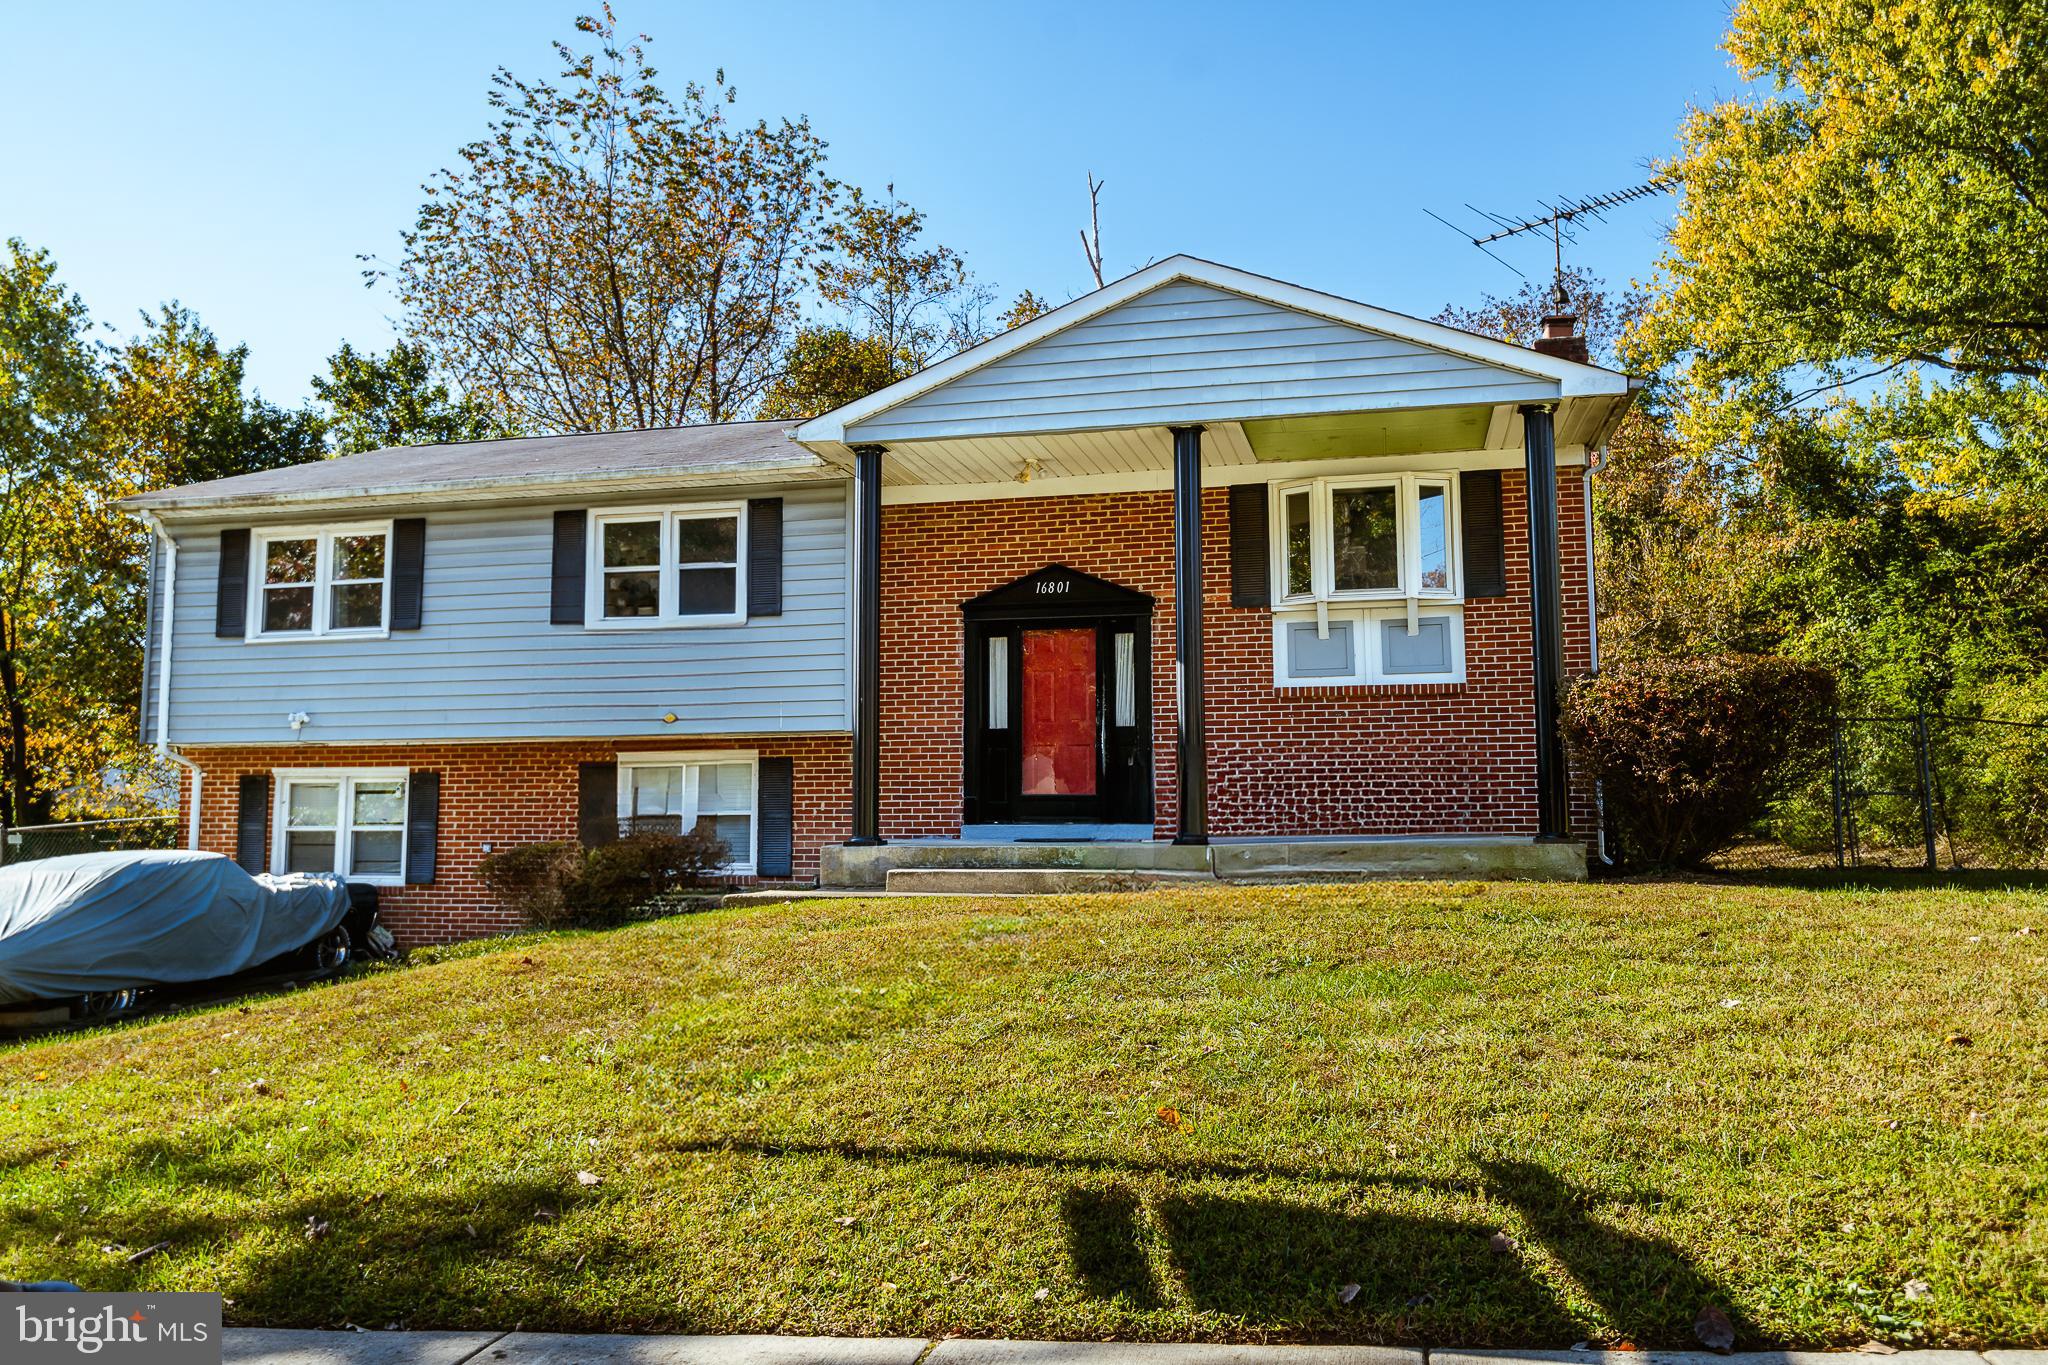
(1872, 229)
(828, 367)
(395, 399)
(50, 393)
(608, 256)
(915, 301)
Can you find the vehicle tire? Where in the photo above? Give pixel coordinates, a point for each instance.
(332, 954)
(104, 1005)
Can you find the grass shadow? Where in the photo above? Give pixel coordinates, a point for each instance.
(1104, 1237)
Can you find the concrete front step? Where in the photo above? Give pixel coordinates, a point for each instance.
(1035, 881)
(1126, 865)
(841, 865)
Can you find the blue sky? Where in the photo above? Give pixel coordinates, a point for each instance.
(240, 157)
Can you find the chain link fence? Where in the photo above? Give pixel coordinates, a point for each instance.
(1922, 790)
(27, 843)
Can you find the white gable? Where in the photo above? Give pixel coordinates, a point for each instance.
(1190, 341)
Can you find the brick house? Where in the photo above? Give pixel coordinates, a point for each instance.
(1202, 573)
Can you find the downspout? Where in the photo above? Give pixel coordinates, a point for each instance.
(1594, 464)
(163, 675)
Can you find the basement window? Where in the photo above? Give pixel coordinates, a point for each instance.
(351, 823)
(712, 793)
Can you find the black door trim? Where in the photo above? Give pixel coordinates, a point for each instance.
(1056, 597)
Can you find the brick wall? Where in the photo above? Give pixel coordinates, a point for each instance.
(508, 793)
(1432, 758)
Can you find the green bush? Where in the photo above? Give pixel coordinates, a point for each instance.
(556, 885)
(531, 879)
(1994, 775)
(1690, 753)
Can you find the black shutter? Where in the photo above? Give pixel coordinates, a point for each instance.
(252, 819)
(422, 826)
(1250, 558)
(408, 572)
(597, 804)
(570, 529)
(231, 597)
(777, 841)
(764, 556)
(1486, 567)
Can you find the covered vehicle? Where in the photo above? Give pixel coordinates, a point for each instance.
(103, 924)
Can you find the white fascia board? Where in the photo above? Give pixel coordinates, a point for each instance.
(1572, 378)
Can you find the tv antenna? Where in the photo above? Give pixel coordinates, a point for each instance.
(1562, 218)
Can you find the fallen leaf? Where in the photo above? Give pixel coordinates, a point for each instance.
(1501, 1243)
(588, 1178)
(1714, 1329)
(1958, 1040)
(1041, 1295)
(887, 1287)
(1169, 1116)
(1347, 1293)
(1731, 1003)
(1916, 1290)
(316, 1228)
(1877, 1348)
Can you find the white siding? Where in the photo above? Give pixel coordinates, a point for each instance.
(1188, 352)
(487, 664)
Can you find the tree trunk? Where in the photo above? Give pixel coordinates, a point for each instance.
(24, 804)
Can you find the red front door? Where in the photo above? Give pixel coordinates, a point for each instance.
(1059, 712)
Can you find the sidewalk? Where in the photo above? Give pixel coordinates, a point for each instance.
(264, 1346)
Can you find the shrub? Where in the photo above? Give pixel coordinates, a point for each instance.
(561, 884)
(1690, 753)
(617, 879)
(529, 879)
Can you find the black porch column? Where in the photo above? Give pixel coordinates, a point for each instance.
(867, 645)
(1187, 635)
(1546, 619)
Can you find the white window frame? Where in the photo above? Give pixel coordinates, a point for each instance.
(666, 617)
(692, 758)
(1407, 532)
(1368, 656)
(323, 582)
(283, 779)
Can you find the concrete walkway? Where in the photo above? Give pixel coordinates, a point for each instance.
(263, 1346)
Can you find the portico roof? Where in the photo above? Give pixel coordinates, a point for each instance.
(1277, 373)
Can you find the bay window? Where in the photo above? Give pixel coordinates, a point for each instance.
(1368, 575)
(667, 566)
(351, 823)
(321, 582)
(1350, 539)
(712, 794)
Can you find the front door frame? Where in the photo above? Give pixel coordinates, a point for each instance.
(1057, 597)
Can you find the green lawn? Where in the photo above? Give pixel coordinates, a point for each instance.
(1182, 1114)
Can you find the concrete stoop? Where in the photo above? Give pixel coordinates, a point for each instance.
(961, 867)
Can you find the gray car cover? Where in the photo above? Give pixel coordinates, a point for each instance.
(109, 921)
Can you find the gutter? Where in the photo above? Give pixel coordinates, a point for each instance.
(163, 674)
(538, 487)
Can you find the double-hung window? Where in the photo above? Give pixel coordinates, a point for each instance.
(347, 822)
(710, 793)
(674, 566)
(1368, 575)
(321, 582)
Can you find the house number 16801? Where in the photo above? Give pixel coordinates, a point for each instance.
(1053, 585)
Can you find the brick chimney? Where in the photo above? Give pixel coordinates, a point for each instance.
(1560, 329)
